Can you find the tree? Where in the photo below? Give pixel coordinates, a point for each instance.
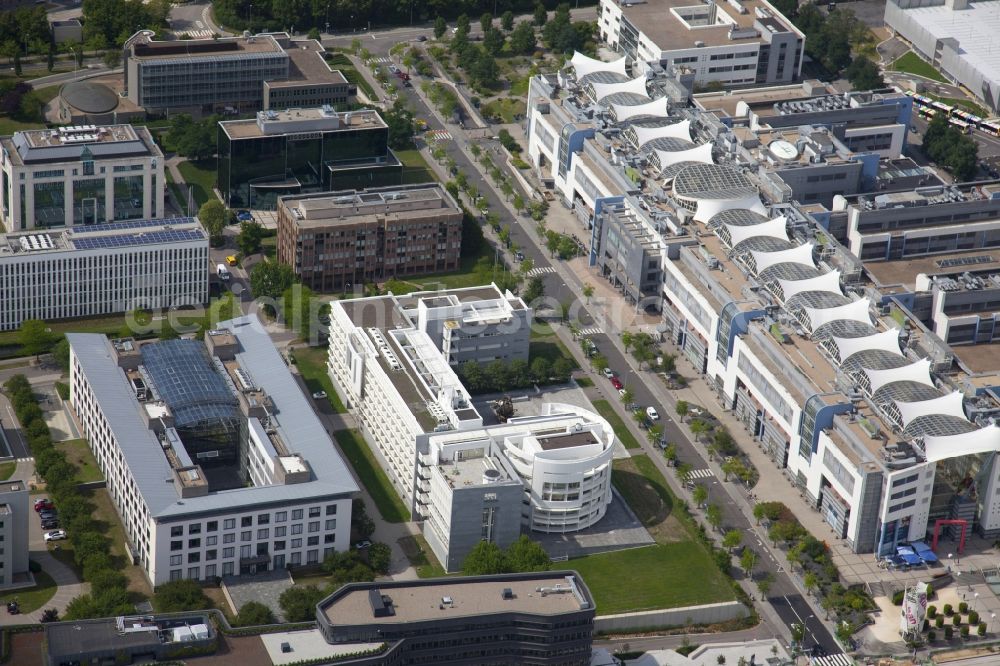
(361, 522)
(180, 595)
(78, 54)
(599, 362)
(732, 539)
(682, 409)
(588, 291)
(400, 121)
(195, 140)
(670, 453)
(17, 64)
(486, 22)
(540, 14)
(507, 21)
(765, 583)
(299, 603)
(713, 514)
(254, 614)
(540, 369)
(864, 74)
(34, 337)
(60, 354)
(50, 60)
(522, 39)
(440, 27)
(269, 279)
(699, 495)
(747, 560)
(380, 558)
(213, 217)
(810, 581)
(627, 396)
(562, 369)
(112, 58)
(518, 203)
(249, 239)
(485, 558)
(534, 290)
(50, 615)
(526, 555)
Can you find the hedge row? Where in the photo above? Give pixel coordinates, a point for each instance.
(91, 548)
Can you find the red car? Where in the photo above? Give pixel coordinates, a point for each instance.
(617, 383)
(43, 504)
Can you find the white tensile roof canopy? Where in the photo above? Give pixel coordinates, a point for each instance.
(800, 254)
(775, 228)
(918, 371)
(886, 341)
(584, 65)
(644, 135)
(636, 85)
(656, 108)
(984, 440)
(950, 404)
(702, 153)
(828, 282)
(853, 311)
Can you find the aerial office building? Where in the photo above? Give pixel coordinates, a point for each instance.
(230, 74)
(392, 360)
(15, 515)
(537, 619)
(334, 240)
(102, 269)
(78, 175)
(876, 419)
(739, 42)
(214, 458)
(300, 151)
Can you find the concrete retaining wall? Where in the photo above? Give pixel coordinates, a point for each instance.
(670, 617)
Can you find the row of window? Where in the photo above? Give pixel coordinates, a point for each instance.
(262, 519)
(248, 535)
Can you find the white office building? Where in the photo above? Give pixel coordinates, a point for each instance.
(876, 424)
(102, 269)
(467, 479)
(15, 515)
(214, 458)
(738, 42)
(79, 175)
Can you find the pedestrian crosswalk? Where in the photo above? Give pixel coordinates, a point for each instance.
(541, 270)
(438, 135)
(593, 330)
(834, 660)
(25, 460)
(381, 59)
(700, 474)
(195, 34)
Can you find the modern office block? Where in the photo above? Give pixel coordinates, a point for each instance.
(534, 619)
(230, 74)
(15, 513)
(335, 240)
(732, 43)
(299, 151)
(79, 175)
(102, 269)
(214, 458)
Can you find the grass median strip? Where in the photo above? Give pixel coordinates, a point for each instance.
(372, 476)
(311, 362)
(605, 409)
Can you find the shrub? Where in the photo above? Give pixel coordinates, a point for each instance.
(931, 636)
(254, 613)
(982, 629)
(948, 610)
(931, 611)
(939, 622)
(956, 620)
(62, 389)
(948, 633)
(180, 595)
(973, 617)
(964, 631)
(963, 607)
(930, 591)
(897, 598)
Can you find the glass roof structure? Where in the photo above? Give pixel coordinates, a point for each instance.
(658, 108)
(599, 91)
(186, 379)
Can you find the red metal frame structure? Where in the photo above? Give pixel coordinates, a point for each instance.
(937, 528)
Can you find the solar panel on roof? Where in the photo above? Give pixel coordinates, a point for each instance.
(130, 240)
(135, 224)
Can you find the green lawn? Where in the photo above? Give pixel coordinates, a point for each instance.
(659, 576)
(200, 175)
(584, 382)
(415, 169)
(269, 246)
(550, 349)
(110, 525)
(911, 63)
(605, 409)
(78, 454)
(504, 107)
(421, 556)
(33, 598)
(645, 490)
(355, 448)
(6, 469)
(311, 362)
(8, 125)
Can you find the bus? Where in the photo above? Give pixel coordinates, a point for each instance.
(925, 112)
(960, 124)
(942, 107)
(991, 127)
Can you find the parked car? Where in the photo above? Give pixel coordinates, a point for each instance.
(243, 216)
(55, 535)
(422, 38)
(617, 383)
(50, 524)
(319, 395)
(621, 392)
(361, 545)
(44, 505)
(48, 515)
(609, 373)
(652, 414)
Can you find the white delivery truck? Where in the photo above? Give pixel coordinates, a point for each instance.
(223, 272)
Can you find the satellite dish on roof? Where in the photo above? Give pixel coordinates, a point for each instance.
(783, 150)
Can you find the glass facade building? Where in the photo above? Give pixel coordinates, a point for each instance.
(257, 167)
